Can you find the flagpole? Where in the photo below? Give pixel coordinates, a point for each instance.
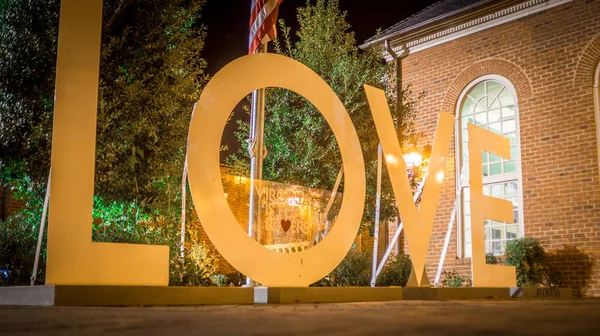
(257, 154)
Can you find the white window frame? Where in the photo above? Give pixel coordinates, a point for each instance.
(458, 153)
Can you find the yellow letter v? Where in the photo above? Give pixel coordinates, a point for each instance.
(417, 224)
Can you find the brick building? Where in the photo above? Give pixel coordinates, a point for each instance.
(528, 70)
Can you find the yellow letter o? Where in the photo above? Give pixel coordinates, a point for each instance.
(230, 85)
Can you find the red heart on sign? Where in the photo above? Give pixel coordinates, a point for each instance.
(286, 225)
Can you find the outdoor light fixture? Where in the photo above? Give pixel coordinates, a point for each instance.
(391, 159)
(413, 158)
(439, 176)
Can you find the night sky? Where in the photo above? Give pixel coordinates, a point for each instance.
(228, 20)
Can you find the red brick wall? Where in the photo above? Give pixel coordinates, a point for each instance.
(550, 58)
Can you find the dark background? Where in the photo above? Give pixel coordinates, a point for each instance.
(228, 23)
(228, 20)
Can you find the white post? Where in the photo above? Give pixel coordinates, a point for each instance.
(257, 153)
(183, 195)
(336, 186)
(38, 249)
(377, 214)
(450, 225)
(398, 231)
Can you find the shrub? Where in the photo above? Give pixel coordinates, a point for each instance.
(491, 259)
(195, 269)
(396, 271)
(18, 241)
(529, 257)
(354, 270)
(220, 280)
(454, 280)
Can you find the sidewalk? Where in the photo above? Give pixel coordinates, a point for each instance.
(515, 317)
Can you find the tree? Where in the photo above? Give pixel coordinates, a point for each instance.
(301, 147)
(151, 75)
(28, 37)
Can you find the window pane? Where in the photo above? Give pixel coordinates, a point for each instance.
(494, 88)
(495, 127)
(497, 248)
(494, 115)
(484, 157)
(506, 98)
(486, 232)
(512, 231)
(486, 190)
(481, 119)
(497, 232)
(465, 136)
(468, 106)
(510, 188)
(494, 103)
(512, 137)
(497, 190)
(495, 169)
(510, 167)
(478, 91)
(495, 158)
(513, 153)
(508, 126)
(486, 170)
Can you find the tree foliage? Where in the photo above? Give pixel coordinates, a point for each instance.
(28, 37)
(301, 148)
(151, 75)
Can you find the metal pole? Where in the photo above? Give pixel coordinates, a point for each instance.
(377, 213)
(398, 231)
(183, 195)
(450, 226)
(257, 152)
(336, 186)
(38, 248)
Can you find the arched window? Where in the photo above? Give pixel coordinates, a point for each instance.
(491, 103)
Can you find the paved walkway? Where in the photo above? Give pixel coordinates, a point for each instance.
(539, 317)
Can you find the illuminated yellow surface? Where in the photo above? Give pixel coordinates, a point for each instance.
(487, 207)
(417, 224)
(72, 257)
(229, 86)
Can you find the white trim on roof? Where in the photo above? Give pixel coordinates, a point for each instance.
(492, 20)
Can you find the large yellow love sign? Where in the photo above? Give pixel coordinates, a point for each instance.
(73, 259)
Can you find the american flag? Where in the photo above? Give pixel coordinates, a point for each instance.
(263, 20)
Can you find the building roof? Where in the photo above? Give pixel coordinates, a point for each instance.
(438, 11)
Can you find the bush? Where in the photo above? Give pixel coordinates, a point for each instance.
(18, 241)
(396, 271)
(354, 270)
(116, 222)
(454, 280)
(220, 280)
(529, 257)
(195, 269)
